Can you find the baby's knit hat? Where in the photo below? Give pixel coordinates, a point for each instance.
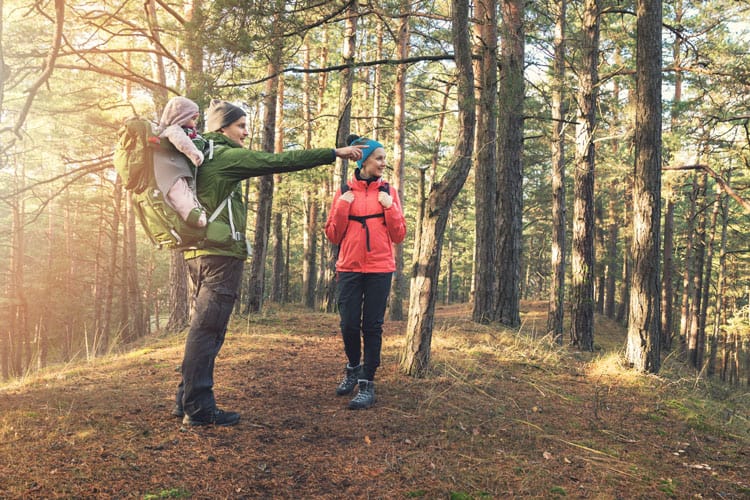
(178, 111)
(372, 145)
(222, 113)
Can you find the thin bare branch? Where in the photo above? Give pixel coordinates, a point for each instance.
(720, 180)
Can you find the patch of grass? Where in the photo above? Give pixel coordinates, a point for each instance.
(170, 493)
(558, 491)
(668, 487)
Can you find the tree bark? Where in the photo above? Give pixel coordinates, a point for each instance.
(687, 279)
(696, 335)
(179, 304)
(667, 282)
(582, 292)
(256, 280)
(510, 172)
(136, 318)
(712, 339)
(613, 235)
(485, 191)
(279, 276)
(415, 358)
(556, 310)
(644, 328)
(398, 289)
(721, 285)
(309, 249)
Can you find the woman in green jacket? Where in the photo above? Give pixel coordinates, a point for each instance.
(216, 270)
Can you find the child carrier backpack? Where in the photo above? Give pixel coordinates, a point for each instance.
(136, 151)
(362, 219)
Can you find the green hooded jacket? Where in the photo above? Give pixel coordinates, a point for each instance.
(222, 175)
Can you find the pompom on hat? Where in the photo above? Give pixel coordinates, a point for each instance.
(372, 145)
(221, 114)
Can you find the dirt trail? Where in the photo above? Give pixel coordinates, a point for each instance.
(492, 421)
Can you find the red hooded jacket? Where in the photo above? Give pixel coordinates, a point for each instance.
(352, 235)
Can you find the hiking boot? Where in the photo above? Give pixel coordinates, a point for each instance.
(365, 397)
(350, 380)
(212, 417)
(177, 411)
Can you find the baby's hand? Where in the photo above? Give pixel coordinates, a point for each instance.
(197, 158)
(347, 197)
(385, 199)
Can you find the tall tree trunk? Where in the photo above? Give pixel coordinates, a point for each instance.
(109, 292)
(582, 292)
(427, 174)
(696, 336)
(713, 341)
(415, 358)
(644, 328)
(310, 199)
(485, 191)
(556, 310)
(344, 127)
(706, 280)
(398, 290)
(17, 327)
(158, 71)
(599, 246)
(278, 262)
(627, 261)
(719, 332)
(449, 264)
(195, 85)
(510, 172)
(136, 324)
(179, 305)
(278, 274)
(309, 249)
(613, 235)
(256, 280)
(687, 280)
(667, 281)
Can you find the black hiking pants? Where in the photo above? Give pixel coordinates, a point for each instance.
(216, 279)
(362, 301)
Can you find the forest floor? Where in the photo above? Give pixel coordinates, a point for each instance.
(500, 415)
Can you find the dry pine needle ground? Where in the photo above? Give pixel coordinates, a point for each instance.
(501, 415)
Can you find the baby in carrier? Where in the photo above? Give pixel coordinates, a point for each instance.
(173, 175)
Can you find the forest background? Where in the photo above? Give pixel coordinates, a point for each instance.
(534, 157)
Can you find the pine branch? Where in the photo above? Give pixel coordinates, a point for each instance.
(341, 67)
(724, 184)
(46, 73)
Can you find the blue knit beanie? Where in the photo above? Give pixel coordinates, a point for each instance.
(372, 145)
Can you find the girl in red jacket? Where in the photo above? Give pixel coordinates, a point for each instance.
(365, 221)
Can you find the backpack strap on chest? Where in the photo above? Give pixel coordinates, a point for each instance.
(362, 219)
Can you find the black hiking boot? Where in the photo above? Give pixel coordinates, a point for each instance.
(350, 380)
(212, 417)
(177, 411)
(365, 397)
